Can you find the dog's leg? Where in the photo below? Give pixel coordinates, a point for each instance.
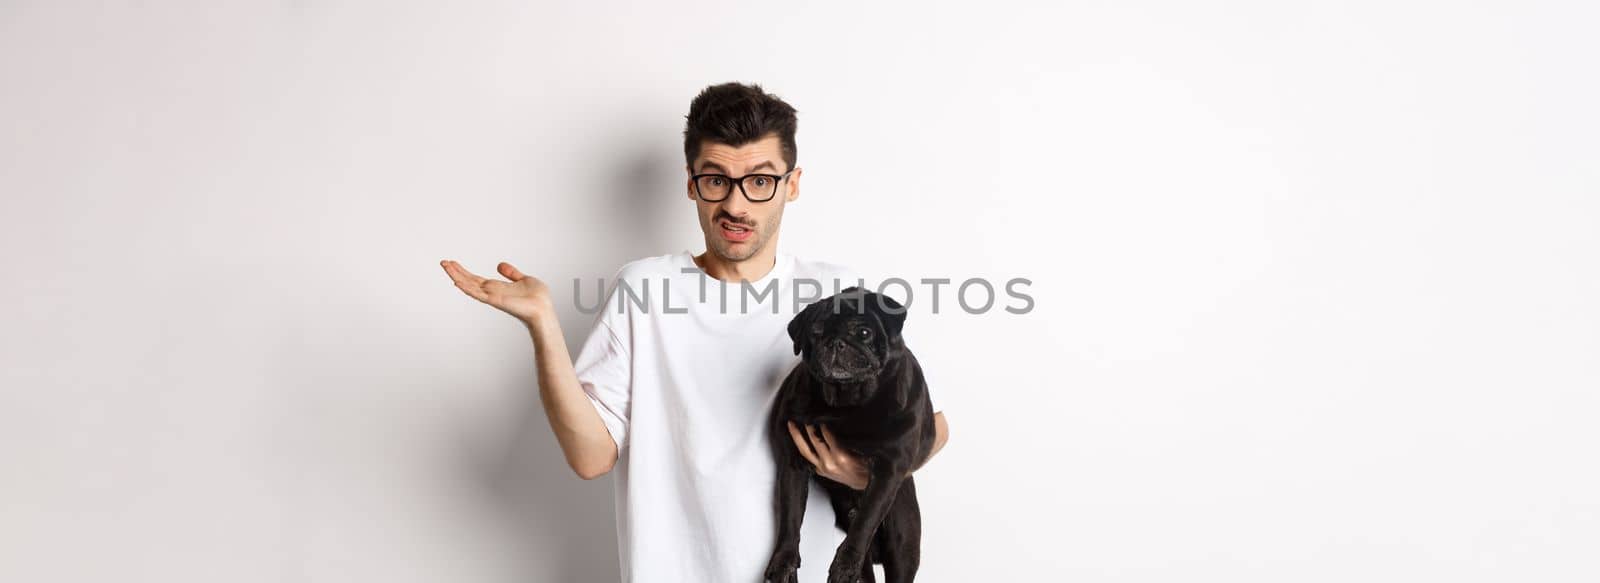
(792, 485)
(882, 486)
(900, 536)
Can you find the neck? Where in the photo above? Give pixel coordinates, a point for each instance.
(754, 268)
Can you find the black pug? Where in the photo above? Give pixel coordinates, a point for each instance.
(857, 378)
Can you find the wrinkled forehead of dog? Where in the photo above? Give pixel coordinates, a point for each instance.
(852, 300)
(853, 303)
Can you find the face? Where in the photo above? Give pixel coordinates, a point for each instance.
(735, 228)
(848, 350)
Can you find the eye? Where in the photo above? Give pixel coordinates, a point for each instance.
(863, 333)
(816, 328)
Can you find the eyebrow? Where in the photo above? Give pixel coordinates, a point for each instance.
(704, 166)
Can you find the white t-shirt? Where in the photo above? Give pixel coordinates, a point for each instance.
(684, 369)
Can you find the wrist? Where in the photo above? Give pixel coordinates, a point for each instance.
(539, 322)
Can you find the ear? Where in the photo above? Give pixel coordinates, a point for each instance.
(907, 377)
(800, 325)
(889, 312)
(794, 184)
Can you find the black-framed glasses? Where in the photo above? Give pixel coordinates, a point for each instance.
(756, 187)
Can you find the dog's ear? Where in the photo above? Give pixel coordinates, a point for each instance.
(891, 318)
(889, 312)
(907, 377)
(800, 325)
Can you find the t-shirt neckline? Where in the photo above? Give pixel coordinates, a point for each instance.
(780, 268)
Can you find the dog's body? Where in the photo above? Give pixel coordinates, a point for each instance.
(868, 389)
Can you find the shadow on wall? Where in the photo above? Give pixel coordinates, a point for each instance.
(649, 204)
(555, 514)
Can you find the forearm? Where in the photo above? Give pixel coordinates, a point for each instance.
(941, 431)
(583, 436)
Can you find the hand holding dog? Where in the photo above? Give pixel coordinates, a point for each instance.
(832, 463)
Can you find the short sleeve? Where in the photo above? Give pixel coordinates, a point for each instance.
(604, 369)
(849, 277)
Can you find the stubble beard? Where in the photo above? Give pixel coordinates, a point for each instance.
(725, 250)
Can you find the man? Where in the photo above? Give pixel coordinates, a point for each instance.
(673, 385)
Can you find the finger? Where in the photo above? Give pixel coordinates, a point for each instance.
(837, 452)
(804, 446)
(476, 289)
(828, 435)
(509, 271)
(479, 288)
(822, 445)
(473, 289)
(824, 450)
(800, 443)
(460, 274)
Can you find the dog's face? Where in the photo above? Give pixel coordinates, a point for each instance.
(847, 339)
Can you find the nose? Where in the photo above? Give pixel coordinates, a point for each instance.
(736, 206)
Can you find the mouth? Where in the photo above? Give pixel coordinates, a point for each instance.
(734, 231)
(837, 375)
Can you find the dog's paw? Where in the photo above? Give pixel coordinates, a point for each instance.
(781, 568)
(846, 567)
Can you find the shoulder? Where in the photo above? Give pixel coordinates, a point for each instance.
(826, 272)
(653, 267)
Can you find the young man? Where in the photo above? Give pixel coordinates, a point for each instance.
(673, 385)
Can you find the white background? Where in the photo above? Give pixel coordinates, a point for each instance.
(1315, 281)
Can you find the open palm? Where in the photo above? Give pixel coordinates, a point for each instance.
(524, 296)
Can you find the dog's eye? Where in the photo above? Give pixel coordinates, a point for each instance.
(863, 333)
(816, 328)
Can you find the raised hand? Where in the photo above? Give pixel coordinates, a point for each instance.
(524, 296)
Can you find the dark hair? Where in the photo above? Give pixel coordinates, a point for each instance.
(737, 114)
